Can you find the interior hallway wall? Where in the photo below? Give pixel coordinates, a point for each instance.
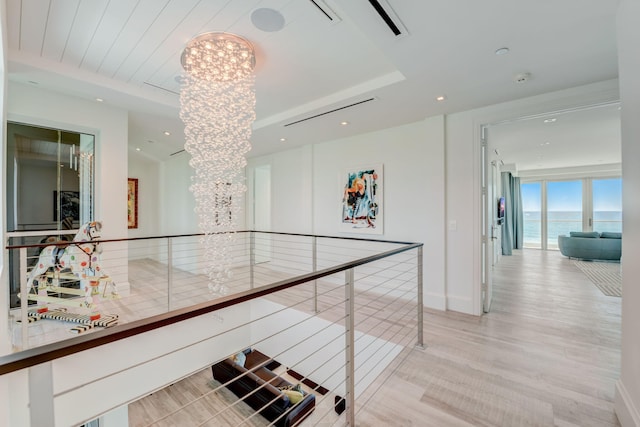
(308, 184)
(147, 172)
(628, 387)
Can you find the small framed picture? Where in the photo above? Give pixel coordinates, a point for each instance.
(132, 202)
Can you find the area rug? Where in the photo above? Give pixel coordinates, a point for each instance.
(605, 275)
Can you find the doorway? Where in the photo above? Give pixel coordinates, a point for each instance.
(559, 157)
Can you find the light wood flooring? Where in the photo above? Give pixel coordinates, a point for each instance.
(548, 354)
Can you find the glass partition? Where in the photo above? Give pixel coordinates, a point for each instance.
(50, 187)
(49, 178)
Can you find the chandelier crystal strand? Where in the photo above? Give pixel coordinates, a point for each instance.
(217, 102)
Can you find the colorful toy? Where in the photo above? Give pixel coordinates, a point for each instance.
(78, 260)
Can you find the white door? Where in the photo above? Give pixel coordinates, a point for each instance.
(488, 222)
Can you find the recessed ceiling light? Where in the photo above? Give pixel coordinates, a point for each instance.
(502, 51)
(99, 100)
(166, 132)
(344, 123)
(283, 139)
(138, 149)
(550, 120)
(441, 98)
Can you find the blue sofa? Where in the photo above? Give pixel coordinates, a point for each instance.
(591, 245)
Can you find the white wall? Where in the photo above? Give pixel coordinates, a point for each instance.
(291, 190)
(627, 400)
(147, 172)
(307, 189)
(178, 204)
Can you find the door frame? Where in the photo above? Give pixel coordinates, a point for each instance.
(481, 124)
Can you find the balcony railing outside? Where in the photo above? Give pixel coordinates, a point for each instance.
(335, 312)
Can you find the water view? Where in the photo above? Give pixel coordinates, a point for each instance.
(563, 222)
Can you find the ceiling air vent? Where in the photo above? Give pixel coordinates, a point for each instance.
(326, 11)
(330, 111)
(389, 17)
(161, 88)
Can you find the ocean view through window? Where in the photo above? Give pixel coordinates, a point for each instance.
(566, 211)
(607, 205)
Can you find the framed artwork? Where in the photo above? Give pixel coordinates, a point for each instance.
(362, 202)
(69, 205)
(132, 202)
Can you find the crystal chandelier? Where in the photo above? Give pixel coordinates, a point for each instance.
(217, 106)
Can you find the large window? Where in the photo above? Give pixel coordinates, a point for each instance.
(564, 209)
(532, 214)
(552, 208)
(607, 205)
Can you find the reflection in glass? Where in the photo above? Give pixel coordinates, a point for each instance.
(49, 178)
(49, 189)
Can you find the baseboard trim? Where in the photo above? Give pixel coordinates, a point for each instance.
(435, 301)
(626, 411)
(461, 305)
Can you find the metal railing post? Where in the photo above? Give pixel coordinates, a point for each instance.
(170, 274)
(314, 253)
(349, 347)
(420, 304)
(24, 299)
(252, 256)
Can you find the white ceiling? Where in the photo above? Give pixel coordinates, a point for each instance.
(127, 52)
(583, 137)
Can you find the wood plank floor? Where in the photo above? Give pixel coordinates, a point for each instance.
(547, 354)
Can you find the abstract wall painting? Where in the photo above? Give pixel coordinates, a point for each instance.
(362, 201)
